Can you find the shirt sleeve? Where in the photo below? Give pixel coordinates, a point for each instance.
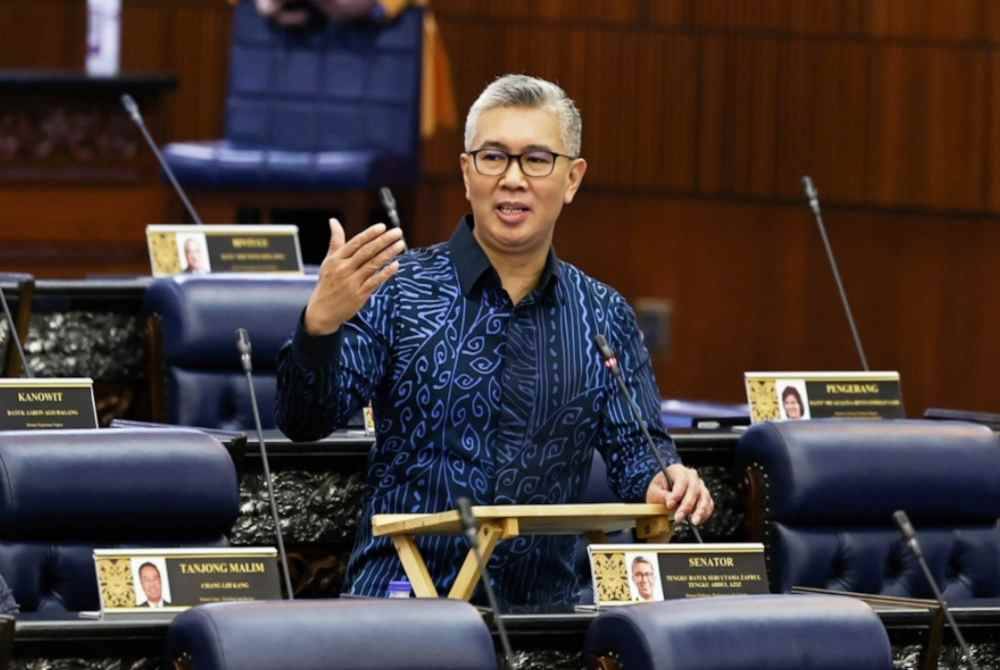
(630, 464)
(323, 381)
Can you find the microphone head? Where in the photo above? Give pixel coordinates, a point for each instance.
(604, 347)
(608, 354)
(809, 187)
(128, 102)
(903, 521)
(385, 195)
(243, 341)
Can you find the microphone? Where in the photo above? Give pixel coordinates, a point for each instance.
(906, 528)
(389, 203)
(14, 337)
(813, 196)
(611, 362)
(468, 520)
(243, 345)
(133, 111)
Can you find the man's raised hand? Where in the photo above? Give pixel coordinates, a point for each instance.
(350, 273)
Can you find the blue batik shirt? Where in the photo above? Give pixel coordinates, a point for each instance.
(477, 397)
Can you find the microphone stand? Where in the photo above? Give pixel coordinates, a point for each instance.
(813, 197)
(611, 360)
(468, 520)
(133, 111)
(906, 528)
(243, 345)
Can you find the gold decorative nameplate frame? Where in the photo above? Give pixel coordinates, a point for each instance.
(138, 581)
(792, 396)
(223, 249)
(41, 404)
(624, 574)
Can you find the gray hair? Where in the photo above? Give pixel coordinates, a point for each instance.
(520, 90)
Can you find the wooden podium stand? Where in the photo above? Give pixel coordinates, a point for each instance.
(502, 522)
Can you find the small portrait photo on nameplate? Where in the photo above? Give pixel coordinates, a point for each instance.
(798, 396)
(144, 581)
(625, 574)
(200, 250)
(47, 404)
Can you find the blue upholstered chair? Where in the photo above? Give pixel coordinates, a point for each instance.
(193, 365)
(331, 106)
(415, 634)
(823, 494)
(777, 632)
(63, 493)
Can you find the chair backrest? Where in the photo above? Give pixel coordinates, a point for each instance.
(200, 367)
(329, 86)
(63, 493)
(372, 634)
(825, 491)
(777, 632)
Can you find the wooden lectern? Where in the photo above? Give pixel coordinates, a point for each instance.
(502, 522)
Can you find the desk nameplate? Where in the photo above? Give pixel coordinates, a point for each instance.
(199, 250)
(151, 581)
(46, 404)
(792, 396)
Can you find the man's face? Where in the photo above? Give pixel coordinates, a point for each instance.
(149, 577)
(516, 214)
(194, 256)
(793, 410)
(642, 575)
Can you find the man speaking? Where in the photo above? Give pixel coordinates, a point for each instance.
(478, 355)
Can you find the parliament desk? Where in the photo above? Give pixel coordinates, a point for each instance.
(540, 640)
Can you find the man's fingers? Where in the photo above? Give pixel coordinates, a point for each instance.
(704, 509)
(691, 492)
(336, 236)
(371, 249)
(376, 264)
(361, 239)
(380, 277)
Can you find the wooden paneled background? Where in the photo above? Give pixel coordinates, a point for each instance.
(700, 117)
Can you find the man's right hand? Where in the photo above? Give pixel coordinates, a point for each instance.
(350, 273)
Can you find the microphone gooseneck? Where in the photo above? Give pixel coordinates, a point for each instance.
(14, 337)
(468, 520)
(128, 102)
(906, 528)
(611, 362)
(243, 346)
(813, 197)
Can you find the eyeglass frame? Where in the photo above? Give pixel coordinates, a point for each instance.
(520, 165)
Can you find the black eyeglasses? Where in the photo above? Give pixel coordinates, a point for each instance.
(492, 162)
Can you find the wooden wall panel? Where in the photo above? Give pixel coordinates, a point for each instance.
(43, 34)
(823, 118)
(738, 120)
(664, 13)
(928, 19)
(600, 11)
(927, 139)
(815, 16)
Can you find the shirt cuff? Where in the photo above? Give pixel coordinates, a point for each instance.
(315, 351)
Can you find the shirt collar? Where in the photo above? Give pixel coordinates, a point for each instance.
(474, 268)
